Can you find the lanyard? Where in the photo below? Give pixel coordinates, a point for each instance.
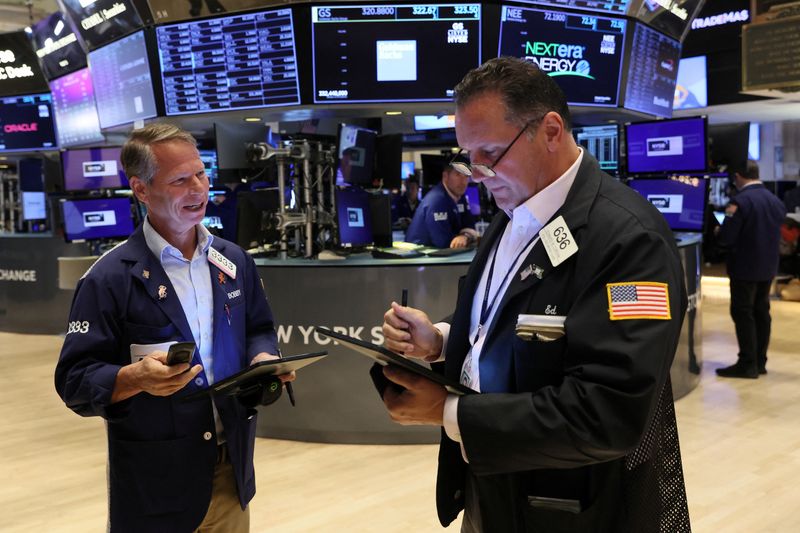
(486, 306)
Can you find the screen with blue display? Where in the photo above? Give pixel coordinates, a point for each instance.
(75, 109)
(615, 7)
(122, 84)
(57, 46)
(602, 142)
(26, 123)
(92, 169)
(353, 215)
(96, 218)
(473, 195)
(691, 90)
(407, 169)
(652, 72)
(235, 62)
(682, 201)
(582, 53)
(393, 53)
(677, 145)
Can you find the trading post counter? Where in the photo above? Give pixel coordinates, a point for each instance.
(336, 401)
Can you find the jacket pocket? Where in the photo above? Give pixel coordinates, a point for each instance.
(150, 334)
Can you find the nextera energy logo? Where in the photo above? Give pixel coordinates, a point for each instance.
(558, 59)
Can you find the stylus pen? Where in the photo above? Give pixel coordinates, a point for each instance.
(290, 392)
(404, 298)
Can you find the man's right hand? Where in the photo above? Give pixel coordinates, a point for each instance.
(409, 332)
(152, 375)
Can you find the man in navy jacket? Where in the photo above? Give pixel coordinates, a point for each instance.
(173, 465)
(751, 231)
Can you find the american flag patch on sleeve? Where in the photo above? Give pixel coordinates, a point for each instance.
(638, 299)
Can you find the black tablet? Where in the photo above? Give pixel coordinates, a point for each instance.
(235, 382)
(385, 357)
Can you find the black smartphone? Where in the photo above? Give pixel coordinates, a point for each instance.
(180, 352)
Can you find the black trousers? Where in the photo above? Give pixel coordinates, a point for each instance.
(750, 313)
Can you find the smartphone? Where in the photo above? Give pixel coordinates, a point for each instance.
(180, 352)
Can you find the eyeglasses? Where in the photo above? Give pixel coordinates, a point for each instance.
(485, 170)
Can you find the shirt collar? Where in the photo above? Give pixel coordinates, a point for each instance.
(161, 248)
(540, 207)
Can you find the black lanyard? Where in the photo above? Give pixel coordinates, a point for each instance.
(486, 306)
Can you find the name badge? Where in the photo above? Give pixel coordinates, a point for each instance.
(221, 262)
(558, 241)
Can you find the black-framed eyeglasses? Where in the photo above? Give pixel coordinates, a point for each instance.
(485, 170)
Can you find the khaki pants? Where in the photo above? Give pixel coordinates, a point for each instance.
(224, 514)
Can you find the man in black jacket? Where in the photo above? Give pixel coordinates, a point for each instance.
(566, 323)
(751, 231)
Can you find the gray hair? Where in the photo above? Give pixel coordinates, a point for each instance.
(137, 155)
(527, 92)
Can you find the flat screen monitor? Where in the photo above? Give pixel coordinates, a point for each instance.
(432, 167)
(102, 21)
(582, 53)
(691, 89)
(209, 158)
(652, 72)
(75, 109)
(92, 169)
(253, 209)
(682, 202)
(393, 52)
(728, 145)
(122, 84)
(57, 46)
(96, 218)
(671, 17)
(34, 205)
(718, 189)
(354, 217)
(389, 160)
(232, 139)
(234, 62)
(31, 174)
(19, 68)
(355, 155)
(171, 10)
(658, 147)
(473, 194)
(434, 122)
(380, 210)
(614, 7)
(754, 144)
(602, 142)
(27, 123)
(407, 169)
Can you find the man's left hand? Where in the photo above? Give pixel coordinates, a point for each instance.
(264, 356)
(421, 403)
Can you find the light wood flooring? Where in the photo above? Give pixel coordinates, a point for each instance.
(740, 440)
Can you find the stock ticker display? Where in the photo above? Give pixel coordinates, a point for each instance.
(616, 7)
(393, 53)
(26, 123)
(653, 72)
(235, 62)
(583, 53)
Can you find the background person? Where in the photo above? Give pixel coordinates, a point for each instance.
(173, 466)
(577, 433)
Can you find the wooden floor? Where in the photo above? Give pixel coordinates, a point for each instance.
(740, 440)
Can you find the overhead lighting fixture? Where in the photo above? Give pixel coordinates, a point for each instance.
(252, 119)
(394, 113)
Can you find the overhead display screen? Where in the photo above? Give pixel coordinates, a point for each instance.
(652, 72)
(26, 123)
(677, 145)
(691, 89)
(19, 68)
(102, 21)
(602, 142)
(57, 46)
(618, 7)
(670, 16)
(582, 53)
(681, 201)
(122, 84)
(76, 114)
(235, 62)
(393, 53)
(93, 169)
(173, 10)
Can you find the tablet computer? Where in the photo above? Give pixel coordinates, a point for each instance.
(384, 357)
(236, 382)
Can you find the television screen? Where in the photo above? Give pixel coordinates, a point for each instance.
(473, 195)
(615, 7)
(27, 123)
(92, 169)
(75, 109)
(121, 79)
(57, 46)
(102, 21)
(231, 141)
(652, 72)
(391, 52)
(355, 155)
(670, 17)
(19, 69)
(209, 158)
(31, 174)
(434, 122)
(728, 145)
(754, 145)
(34, 205)
(432, 167)
(354, 217)
(172, 10)
(719, 187)
(583, 53)
(407, 169)
(677, 145)
(682, 202)
(389, 160)
(96, 218)
(234, 62)
(691, 89)
(602, 142)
